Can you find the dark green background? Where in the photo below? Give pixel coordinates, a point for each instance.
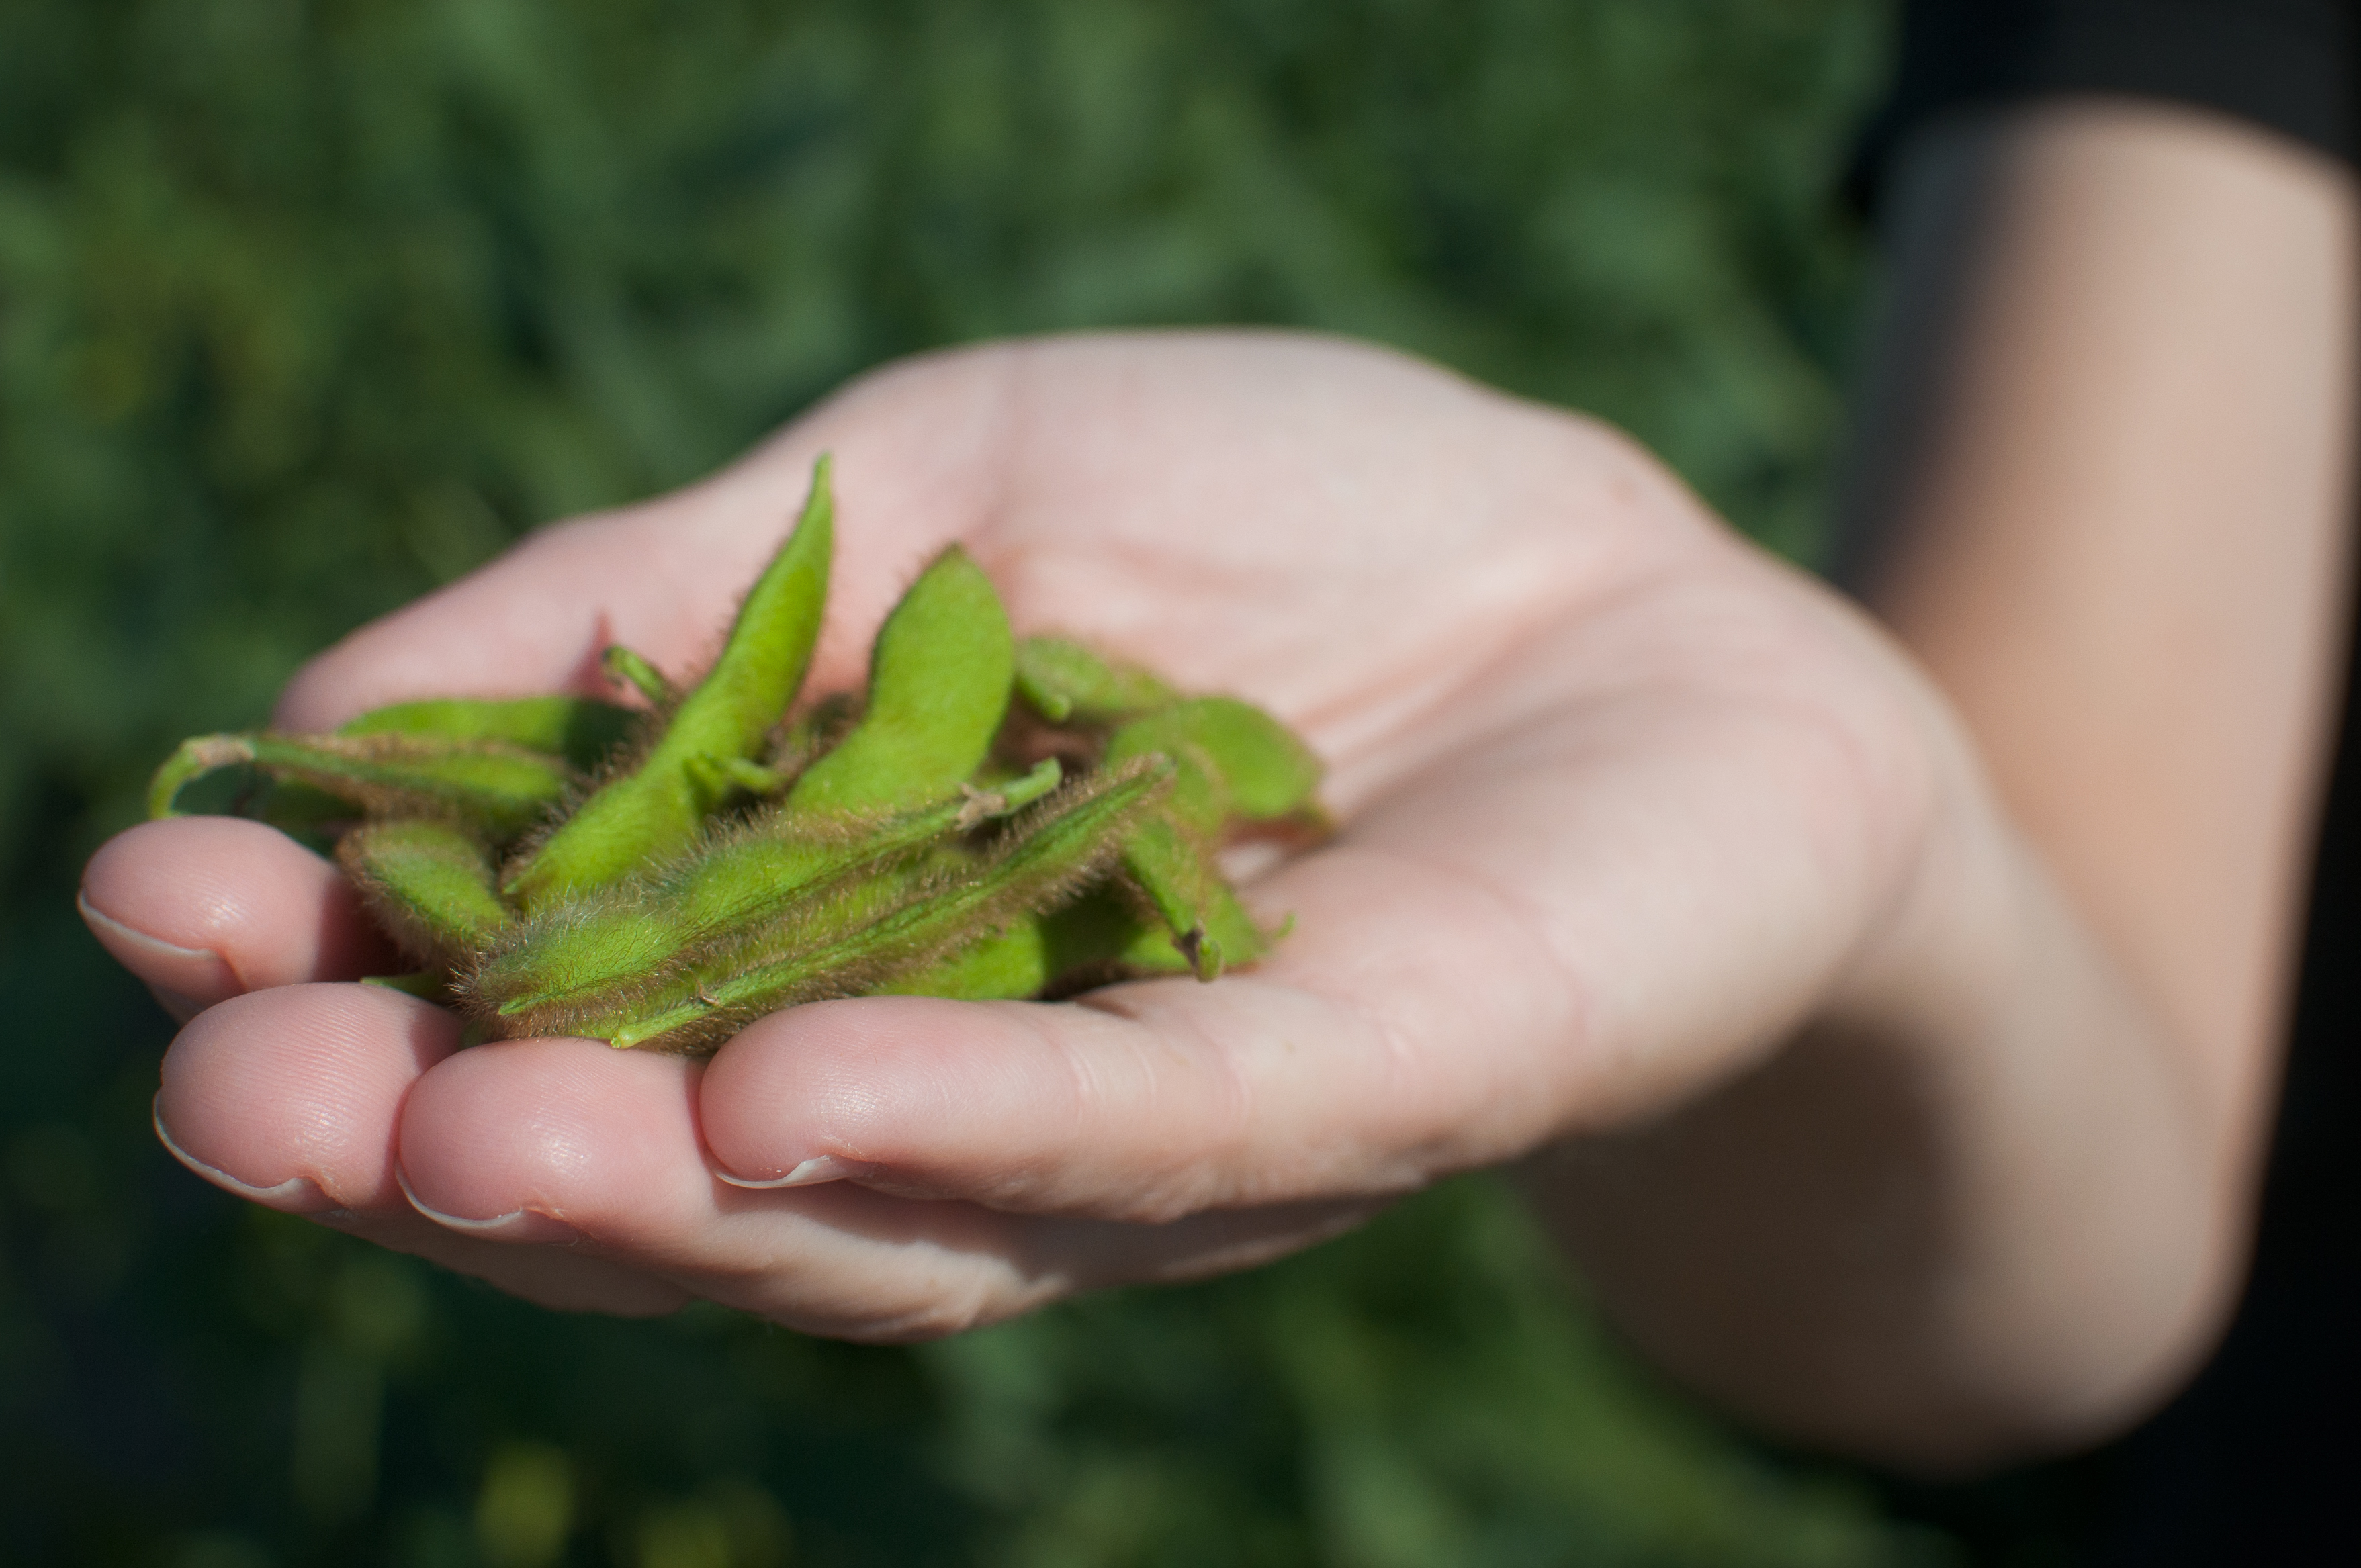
(305, 307)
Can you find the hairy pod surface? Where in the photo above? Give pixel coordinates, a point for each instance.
(1097, 938)
(581, 730)
(1065, 682)
(433, 886)
(939, 683)
(1169, 856)
(1176, 868)
(1102, 936)
(567, 965)
(656, 810)
(1005, 966)
(878, 930)
(1256, 767)
(498, 789)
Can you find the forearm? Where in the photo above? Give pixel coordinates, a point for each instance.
(1962, 1215)
(1994, 1199)
(2116, 512)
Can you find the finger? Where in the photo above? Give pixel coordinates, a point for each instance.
(289, 1099)
(916, 449)
(528, 1141)
(289, 1096)
(1359, 1060)
(203, 908)
(532, 1141)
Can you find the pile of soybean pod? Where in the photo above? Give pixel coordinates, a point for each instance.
(994, 818)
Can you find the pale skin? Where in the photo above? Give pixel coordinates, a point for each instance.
(1894, 1086)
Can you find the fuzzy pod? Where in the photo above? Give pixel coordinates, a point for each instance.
(939, 683)
(1065, 682)
(1090, 940)
(1009, 964)
(567, 965)
(1102, 936)
(496, 789)
(1169, 856)
(1097, 939)
(719, 776)
(876, 931)
(1175, 869)
(1260, 770)
(581, 730)
(433, 886)
(656, 809)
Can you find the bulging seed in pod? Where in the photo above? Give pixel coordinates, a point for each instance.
(939, 680)
(431, 884)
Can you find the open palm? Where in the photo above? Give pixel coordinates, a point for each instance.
(1622, 802)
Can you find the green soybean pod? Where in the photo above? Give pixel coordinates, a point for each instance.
(311, 816)
(1175, 868)
(1102, 936)
(431, 884)
(1169, 855)
(656, 810)
(1064, 682)
(1051, 855)
(580, 729)
(500, 789)
(1263, 771)
(1234, 759)
(579, 958)
(1008, 964)
(574, 956)
(1093, 940)
(938, 681)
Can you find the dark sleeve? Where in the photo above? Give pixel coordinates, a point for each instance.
(2285, 64)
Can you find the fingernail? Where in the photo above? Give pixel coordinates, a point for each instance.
(517, 1225)
(811, 1173)
(296, 1195)
(133, 937)
(201, 969)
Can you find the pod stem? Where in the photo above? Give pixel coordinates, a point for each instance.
(191, 761)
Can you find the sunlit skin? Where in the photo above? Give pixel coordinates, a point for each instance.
(1655, 859)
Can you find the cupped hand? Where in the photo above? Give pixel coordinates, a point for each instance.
(1621, 802)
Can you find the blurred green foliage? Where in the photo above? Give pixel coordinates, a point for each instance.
(307, 307)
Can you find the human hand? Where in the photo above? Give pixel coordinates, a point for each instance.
(1622, 803)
